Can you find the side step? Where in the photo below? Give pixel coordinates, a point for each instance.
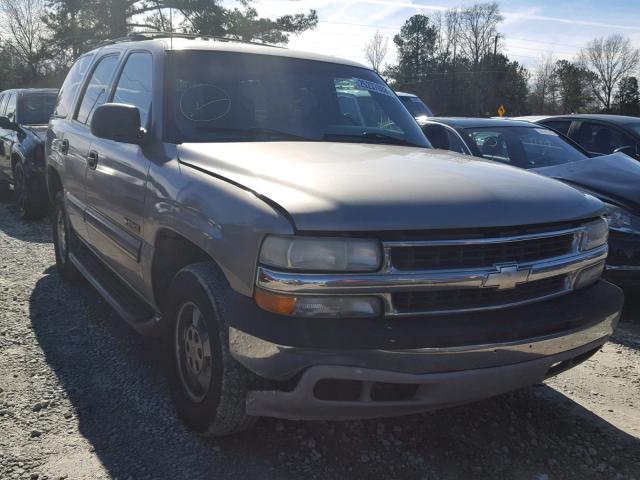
(127, 304)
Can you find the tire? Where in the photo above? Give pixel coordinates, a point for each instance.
(63, 240)
(30, 203)
(208, 385)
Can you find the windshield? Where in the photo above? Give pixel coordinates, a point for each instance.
(239, 97)
(416, 107)
(35, 109)
(524, 147)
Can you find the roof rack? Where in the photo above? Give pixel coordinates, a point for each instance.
(152, 35)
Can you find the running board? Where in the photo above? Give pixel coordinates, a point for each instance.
(128, 305)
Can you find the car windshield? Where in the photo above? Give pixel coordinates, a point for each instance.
(524, 147)
(416, 107)
(36, 108)
(239, 97)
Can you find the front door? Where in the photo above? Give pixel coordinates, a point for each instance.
(116, 179)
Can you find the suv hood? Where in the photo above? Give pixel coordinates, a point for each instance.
(369, 187)
(616, 177)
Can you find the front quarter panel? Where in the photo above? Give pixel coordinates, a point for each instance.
(225, 220)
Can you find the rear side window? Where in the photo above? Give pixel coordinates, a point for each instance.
(71, 85)
(10, 111)
(134, 84)
(97, 90)
(3, 99)
(561, 126)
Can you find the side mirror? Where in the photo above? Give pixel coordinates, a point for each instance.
(118, 122)
(7, 124)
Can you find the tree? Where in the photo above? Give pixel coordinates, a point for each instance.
(376, 51)
(573, 82)
(478, 30)
(25, 34)
(611, 59)
(77, 25)
(416, 45)
(544, 87)
(627, 97)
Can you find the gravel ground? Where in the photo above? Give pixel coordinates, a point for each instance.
(83, 397)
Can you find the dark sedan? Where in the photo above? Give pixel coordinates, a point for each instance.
(598, 134)
(612, 178)
(24, 116)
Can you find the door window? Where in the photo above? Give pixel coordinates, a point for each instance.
(10, 111)
(97, 91)
(561, 126)
(602, 139)
(134, 84)
(71, 85)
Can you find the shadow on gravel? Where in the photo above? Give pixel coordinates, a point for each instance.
(115, 384)
(33, 231)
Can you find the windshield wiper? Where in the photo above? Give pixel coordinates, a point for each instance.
(381, 137)
(255, 132)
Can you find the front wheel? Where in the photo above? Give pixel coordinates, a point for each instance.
(63, 239)
(208, 385)
(30, 203)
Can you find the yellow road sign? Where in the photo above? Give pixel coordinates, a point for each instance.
(502, 110)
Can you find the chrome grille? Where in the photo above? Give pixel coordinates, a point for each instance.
(474, 298)
(476, 255)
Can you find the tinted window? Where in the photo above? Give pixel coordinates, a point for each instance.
(600, 138)
(524, 147)
(416, 106)
(227, 97)
(36, 109)
(10, 111)
(443, 137)
(71, 85)
(97, 89)
(561, 126)
(134, 85)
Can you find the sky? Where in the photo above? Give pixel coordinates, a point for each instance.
(531, 28)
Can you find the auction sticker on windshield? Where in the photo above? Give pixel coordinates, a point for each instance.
(372, 86)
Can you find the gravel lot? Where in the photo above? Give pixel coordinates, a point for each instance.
(83, 397)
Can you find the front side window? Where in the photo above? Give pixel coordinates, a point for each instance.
(36, 109)
(97, 89)
(561, 126)
(71, 85)
(134, 84)
(444, 138)
(524, 147)
(238, 97)
(602, 139)
(10, 110)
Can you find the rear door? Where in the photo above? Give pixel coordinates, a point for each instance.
(116, 182)
(74, 144)
(8, 136)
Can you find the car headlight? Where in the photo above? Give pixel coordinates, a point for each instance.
(321, 254)
(595, 235)
(620, 220)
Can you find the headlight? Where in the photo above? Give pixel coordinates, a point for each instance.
(595, 234)
(621, 220)
(321, 254)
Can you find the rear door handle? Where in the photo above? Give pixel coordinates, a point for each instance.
(92, 160)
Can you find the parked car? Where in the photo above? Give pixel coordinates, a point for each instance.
(614, 178)
(24, 115)
(298, 265)
(598, 134)
(415, 105)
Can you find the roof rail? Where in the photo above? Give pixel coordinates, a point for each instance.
(138, 36)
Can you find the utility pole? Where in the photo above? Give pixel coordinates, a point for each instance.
(495, 47)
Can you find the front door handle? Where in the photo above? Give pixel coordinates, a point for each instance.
(92, 160)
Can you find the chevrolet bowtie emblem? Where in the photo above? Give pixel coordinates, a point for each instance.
(507, 277)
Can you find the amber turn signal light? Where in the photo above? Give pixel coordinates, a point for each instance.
(276, 303)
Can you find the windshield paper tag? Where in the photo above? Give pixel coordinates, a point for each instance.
(372, 87)
(543, 131)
